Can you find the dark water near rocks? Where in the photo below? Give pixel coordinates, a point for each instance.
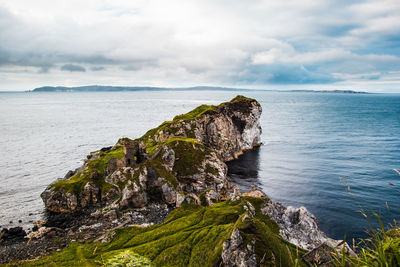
(311, 140)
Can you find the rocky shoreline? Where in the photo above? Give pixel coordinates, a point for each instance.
(180, 166)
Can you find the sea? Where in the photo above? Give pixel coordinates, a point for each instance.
(333, 153)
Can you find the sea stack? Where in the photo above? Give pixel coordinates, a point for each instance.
(180, 160)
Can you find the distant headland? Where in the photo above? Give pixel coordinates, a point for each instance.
(103, 88)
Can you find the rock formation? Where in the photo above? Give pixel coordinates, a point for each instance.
(175, 162)
(181, 165)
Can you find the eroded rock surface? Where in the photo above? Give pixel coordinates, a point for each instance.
(300, 227)
(173, 163)
(236, 253)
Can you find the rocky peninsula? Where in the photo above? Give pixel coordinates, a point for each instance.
(165, 199)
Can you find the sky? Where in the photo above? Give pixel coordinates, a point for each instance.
(299, 44)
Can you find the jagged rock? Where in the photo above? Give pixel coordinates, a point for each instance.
(133, 196)
(89, 195)
(211, 197)
(110, 195)
(300, 227)
(231, 128)
(186, 154)
(59, 200)
(168, 158)
(111, 215)
(69, 174)
(42, 231)
(235, 253)
(253, 193)
(297, 225)
(235, 195)
(180, 198)
(168, 194)
(12, 233)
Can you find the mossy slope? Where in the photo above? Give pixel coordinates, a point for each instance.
(94, 171)
(178, 134)
(191, 236)
(174, 127)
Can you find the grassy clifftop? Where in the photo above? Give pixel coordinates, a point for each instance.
(191, 236)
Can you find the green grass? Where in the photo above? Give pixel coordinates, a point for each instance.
(383, 246)
(187, 162)
(191, 236)
(172, 127)
(95, 171)
(195, 113)
(189, 155)
(381, 249)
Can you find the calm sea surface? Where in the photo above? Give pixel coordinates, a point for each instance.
(310, 142)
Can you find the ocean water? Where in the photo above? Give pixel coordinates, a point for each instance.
(332, 153)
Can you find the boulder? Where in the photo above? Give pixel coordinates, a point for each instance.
(236, 253)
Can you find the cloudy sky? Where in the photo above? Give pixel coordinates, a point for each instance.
(299, 44)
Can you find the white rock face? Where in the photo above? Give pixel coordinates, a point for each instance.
(231, 129)
(298, 226)
(222, 132)
(235, 253)
(251, 136)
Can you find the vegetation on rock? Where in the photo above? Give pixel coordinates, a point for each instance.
(186, 143)
(94, 171)
(192, 235)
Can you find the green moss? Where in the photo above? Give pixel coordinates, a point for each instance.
(96, 168)
(241, 98)
(189, 155)
(162, 171)
(94, 171)
(381, 249)
(191, 236)
(128, 258)
(195, 113)
(170, 128)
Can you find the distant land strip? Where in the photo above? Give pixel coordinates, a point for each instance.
(102, 88)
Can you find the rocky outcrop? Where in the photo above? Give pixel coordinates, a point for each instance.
(173, 163)
(229, 128)
(297, 225)
(183, 160)
(300, 227)
(235, 253)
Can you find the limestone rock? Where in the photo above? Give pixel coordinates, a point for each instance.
(58, 200)
(211, 197)
(300, 227)
(253, 193)
(184, 155)
(231, 128)
(133, 196)
(235, 253)
(235, 195)
(89, 195)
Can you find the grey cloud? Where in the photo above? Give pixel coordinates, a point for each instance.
(97, 68)
(283, 74)
(73, 68)
(302, 42)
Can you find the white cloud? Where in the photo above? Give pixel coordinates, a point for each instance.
(171, 43)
